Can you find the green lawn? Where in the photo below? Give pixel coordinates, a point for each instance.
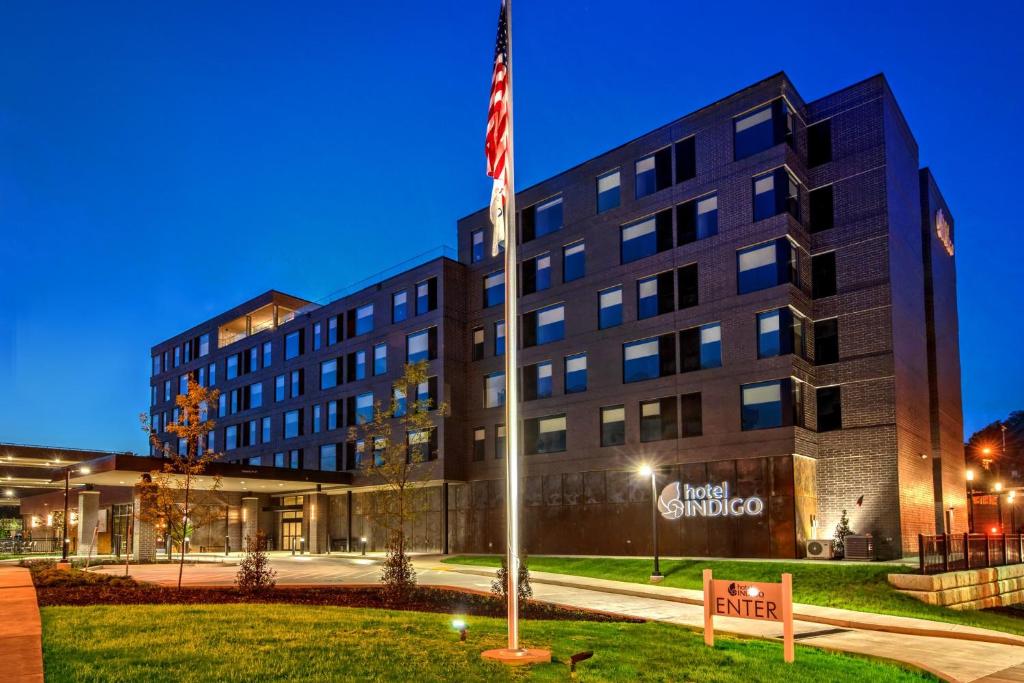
(861, 587)
(288, 642)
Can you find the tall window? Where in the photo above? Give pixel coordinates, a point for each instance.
(332, 330)
(613, 426)
(399, 398)
(544, 325)
(231, 437)
(685, 152)
(380, 359)
(762, 129)
(364, 319)
(830, 408)
(697, 219)
(332, 414)
(654, 172)
(574, 261)
(268, 354)
(766, 265)
(689, 290)
(479, 443)
(292, 423)
(770, 404)
(478, 343)
(542, 219)
(609, 308)
(329, 374)
(537, 381)
(819, 143)
(648, 358)
(658, 419)
(494, 289)
(823, 275)
(317, 336)
(292, 345)
(399, 306)
(356, 366)
(499, 338)
(232, 366)
(655, 295)
(297, 383)
(476, 246)
(780, 332)
(213, 374)
(822, 209)
(576, 373)
(421, 345)
(204, 344)
(426, 296)
(364, 408)
(494, 390)
(499, 442)
(776, 192)
(646, 237)
(544, 434)
(692, 423)
(317, 416)
(826, 341)
(701, 347)
(329, 457)
(279, 388)
(536, 274)
(608, 191)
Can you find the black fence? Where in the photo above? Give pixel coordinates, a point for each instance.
(28, 546)
(955, 552)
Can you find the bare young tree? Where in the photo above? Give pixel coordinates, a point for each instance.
(170, 496)
(398, 438)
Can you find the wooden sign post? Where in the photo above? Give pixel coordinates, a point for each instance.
(750, 600)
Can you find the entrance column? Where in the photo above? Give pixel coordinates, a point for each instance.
(88, 522)
(316, 511)
(143, 534)
(250, 519)
(26, 524)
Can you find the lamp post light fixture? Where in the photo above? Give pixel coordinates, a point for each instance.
(970, 500)
(363, 541)
(999, 503)
(460, 626)
(648, 471)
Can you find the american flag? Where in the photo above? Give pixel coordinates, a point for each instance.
(497, 133)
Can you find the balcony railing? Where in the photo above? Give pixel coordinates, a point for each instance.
(956, 552)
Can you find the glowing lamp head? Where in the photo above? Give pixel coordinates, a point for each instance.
(970, 475)
(994, 530)
(999, 486)
(85, 470)
(458, 624)
(645, 470)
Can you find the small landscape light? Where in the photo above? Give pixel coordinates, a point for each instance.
(579, 657)
(460, 626)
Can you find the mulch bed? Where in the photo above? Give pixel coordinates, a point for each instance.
(420, 600)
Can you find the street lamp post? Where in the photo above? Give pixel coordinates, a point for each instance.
(647, 470)
(970, 501)
(999, 504)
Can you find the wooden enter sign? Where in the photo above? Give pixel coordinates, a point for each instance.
(749, 600)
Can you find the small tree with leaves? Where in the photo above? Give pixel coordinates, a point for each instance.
(839, 538)
(499, 586)
(254, 572)
(399, 437)
(170, 495)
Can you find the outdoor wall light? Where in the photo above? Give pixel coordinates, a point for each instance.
(970, 475)
(460, 626)
(84, 470)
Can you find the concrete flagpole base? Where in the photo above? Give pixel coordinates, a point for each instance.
(520, 657)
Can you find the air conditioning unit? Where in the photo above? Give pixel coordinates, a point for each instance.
(819, 549)
(860, 548)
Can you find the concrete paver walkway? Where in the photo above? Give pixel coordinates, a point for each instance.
(21, 638)
(961, 654)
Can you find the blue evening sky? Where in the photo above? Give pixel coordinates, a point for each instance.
(162, 162)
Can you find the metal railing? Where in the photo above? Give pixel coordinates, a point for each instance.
(956, 552)
(29, 546)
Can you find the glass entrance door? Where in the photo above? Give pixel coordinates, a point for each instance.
(291, 530)
(120, 514)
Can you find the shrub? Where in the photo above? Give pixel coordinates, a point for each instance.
(398, 575)
(839, 539)
(500, 584)
(45, 574)
(254, 573)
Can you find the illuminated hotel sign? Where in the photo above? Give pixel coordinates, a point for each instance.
(943, 232)
(683, 500)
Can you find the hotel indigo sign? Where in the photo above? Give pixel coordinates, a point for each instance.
(683, 500)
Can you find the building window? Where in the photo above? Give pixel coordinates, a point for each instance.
(266, 430)
(297, 383)
(329, 457)
(823, 275)
(826, 341)
(819, 143)
(647, 237)
(317, 412)
(692, 423)
(648, 358)
(536, 274)
(252, 360)
(292, 346)
(654, 172)
(544, 434)
(609, 308)
(544, 325)
(426, 296)
(232, 362)
(689, 294)
(356, 366)
(177, 356)
(317, 336)
(655, 295)
(422, 445)
(494, 390)
(658, 420)
(421, 345)
(398, 401)
(231, 438)
(608, 191)
(213, 374)
(478, 343)
(204, 344)
(574, 261)
(399, 306)
(363, 320)
(830, 409)
(576, 373)
(255, 395)
(776, 192)
(183, 384)
(494, 289)
(292, 423)
(537, 381)
(476, 246)
(426, 394)
(364, 408)
(686, 159)
(499, 338)
(613, 426)
(766, 265)
(697, 219)
(542, 219)
(279, 388)
(329, 374)
(780, 332)
(479, 443)
(769, 404)
(380, 359)
(332, 330)
(822, 209)
(700, 348)
(499, 442)
(332, 414)
(762, 129)
(268, 354)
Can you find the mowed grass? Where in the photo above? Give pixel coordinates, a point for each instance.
(861, 587)
(286, 642)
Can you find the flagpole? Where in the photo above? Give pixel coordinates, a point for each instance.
(511, 368)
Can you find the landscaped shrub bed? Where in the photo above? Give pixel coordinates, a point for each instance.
(419, 600)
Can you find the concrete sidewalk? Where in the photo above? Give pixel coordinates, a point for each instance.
(21, 633)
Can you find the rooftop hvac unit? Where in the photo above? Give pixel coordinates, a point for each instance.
(860, 548)
(819, 549)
